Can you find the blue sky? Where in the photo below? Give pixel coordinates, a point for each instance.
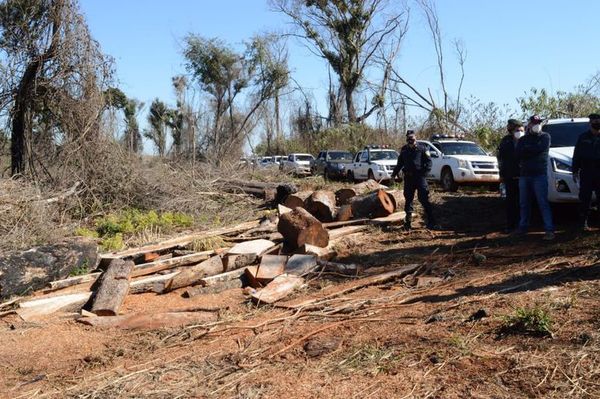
(511, 45)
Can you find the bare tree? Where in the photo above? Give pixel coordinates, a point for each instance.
(347, 34)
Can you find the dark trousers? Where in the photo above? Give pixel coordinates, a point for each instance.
(589, 182)
(512, 203)
(418, 184)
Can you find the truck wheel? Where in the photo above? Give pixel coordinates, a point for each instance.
(447, 180)
(370, 175)
(351, 178)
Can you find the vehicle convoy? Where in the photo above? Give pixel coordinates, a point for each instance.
(332, 164)
(563, 137)
(297, 163)
(373, 162)
(456, 162)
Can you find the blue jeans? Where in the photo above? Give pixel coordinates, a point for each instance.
(530, 187)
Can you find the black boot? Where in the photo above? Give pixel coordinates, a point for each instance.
(408, 222)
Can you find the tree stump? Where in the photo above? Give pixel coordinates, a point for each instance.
(299, 227)
(321, 204)
(112, 289)
(374, 205)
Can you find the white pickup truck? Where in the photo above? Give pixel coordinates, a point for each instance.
(456, 162)
(297, 164)
(372, 163)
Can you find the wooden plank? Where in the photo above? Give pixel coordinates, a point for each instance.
(148, 284)
(71, 281)
(251, 247)
(159, 265)
(277, 289)
(219, 283)
(270, 267)
(321, 253)
(33, 309)
(113, 288)
(149, 321)
(396, 217)
(341, 268)
(191, 275)
(344, 231)
(181, 240)
(233, 262)
(299, 265)
(334, 291)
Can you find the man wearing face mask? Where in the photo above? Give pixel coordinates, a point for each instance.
(586, 167)
(532, 153)
(509, 171)
(415, 164)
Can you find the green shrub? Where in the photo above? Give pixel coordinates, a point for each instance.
(528, 320)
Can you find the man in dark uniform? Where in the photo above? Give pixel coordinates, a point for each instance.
(586, 167)
(509, 171)
(415, 164)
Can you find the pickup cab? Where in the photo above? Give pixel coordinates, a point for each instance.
(460, 162)
(373, 163)
(297, 164)
(332, 164)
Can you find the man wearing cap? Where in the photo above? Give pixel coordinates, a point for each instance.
(586, 167)
(415, 164)
(532, 154)
(509, 171)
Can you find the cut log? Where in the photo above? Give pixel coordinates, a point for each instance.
(217, 283)
(299, 227)
(282, 209)
(344, 195)
(191, 275)
(396, 217)
(344, 231)
(344, 214)
(300, 265)
(150, 321)
(250, 276)
(374, 205)
(233, 262)
(397, 198)
(321, 204)
(148, 284)
(341, 268)
(321, 253)
(40, 307)
(159, 265)
(284, 190)
(270, 267)
(255, 247)
(112, 288)
(296, 200)
(277, 289)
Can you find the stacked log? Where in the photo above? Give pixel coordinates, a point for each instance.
(321, 204)
(299, 227)
(374, 205)
(344, 195)
(296, 200)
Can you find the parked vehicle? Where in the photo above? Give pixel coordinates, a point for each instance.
(266, 162)
(332, 164)
(456, 162)
(298, 164)
(373, 163)
(563, 137)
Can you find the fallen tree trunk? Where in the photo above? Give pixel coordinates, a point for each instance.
(277, 289)
(296, 200)
(344, 195)
(191, 275)
(112, 289)
(149, 321)
(374, 205)
(321, 204)
(299, 227)
(148, 284)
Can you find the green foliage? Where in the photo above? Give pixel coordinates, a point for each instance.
(528, 320)
(578, 103)
(85, 232)
(82, 269)
(112, 243)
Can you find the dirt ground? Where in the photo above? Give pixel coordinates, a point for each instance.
(451, 339)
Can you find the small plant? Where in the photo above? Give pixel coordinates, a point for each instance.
(370, 359)
(80, 270)
(529, 320)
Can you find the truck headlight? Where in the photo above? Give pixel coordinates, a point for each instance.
(463, 164)
(561, 166)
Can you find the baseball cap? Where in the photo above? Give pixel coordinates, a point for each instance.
(594, 115)
(536, 119)
(515, 122)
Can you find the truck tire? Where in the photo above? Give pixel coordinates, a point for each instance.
(371, 175)
(351, 178)
(447, 180)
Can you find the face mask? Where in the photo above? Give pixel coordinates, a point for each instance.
(518, 134)
(596, 125)
(536, 129)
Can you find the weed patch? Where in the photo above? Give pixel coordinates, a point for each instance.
(529, 320)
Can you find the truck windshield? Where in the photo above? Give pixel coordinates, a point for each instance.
(565, 134)
(460, 149)
(339, 156)
(383, 155)
(304, 158)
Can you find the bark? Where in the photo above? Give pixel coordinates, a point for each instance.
(112, 289)
(299, 227)
(397, 198)
(192, 275)
(344, 213)
(296, 200)
(277, 289)
(234, 262)
(344, 195)
(149, 321)
(321, 204)
(374, 205)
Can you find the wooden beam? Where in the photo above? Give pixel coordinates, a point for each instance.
(113, 288)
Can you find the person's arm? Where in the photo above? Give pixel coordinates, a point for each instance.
(500, 156)
(530, 148)
(399, 166)
(576, 167)
(426, 162)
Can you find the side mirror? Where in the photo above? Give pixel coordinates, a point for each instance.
(434, 155)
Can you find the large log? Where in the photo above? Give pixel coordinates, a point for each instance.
(148, 284)
(40, 307)
(374, 205)
(234, 262)
(397, 198)
(277, 289)
(344, 195)
(296, 200)
(217, 283)
(299, 227)
(192, 275)
(321, 204)
(112, 289)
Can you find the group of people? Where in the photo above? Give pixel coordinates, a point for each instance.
(523, 164)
